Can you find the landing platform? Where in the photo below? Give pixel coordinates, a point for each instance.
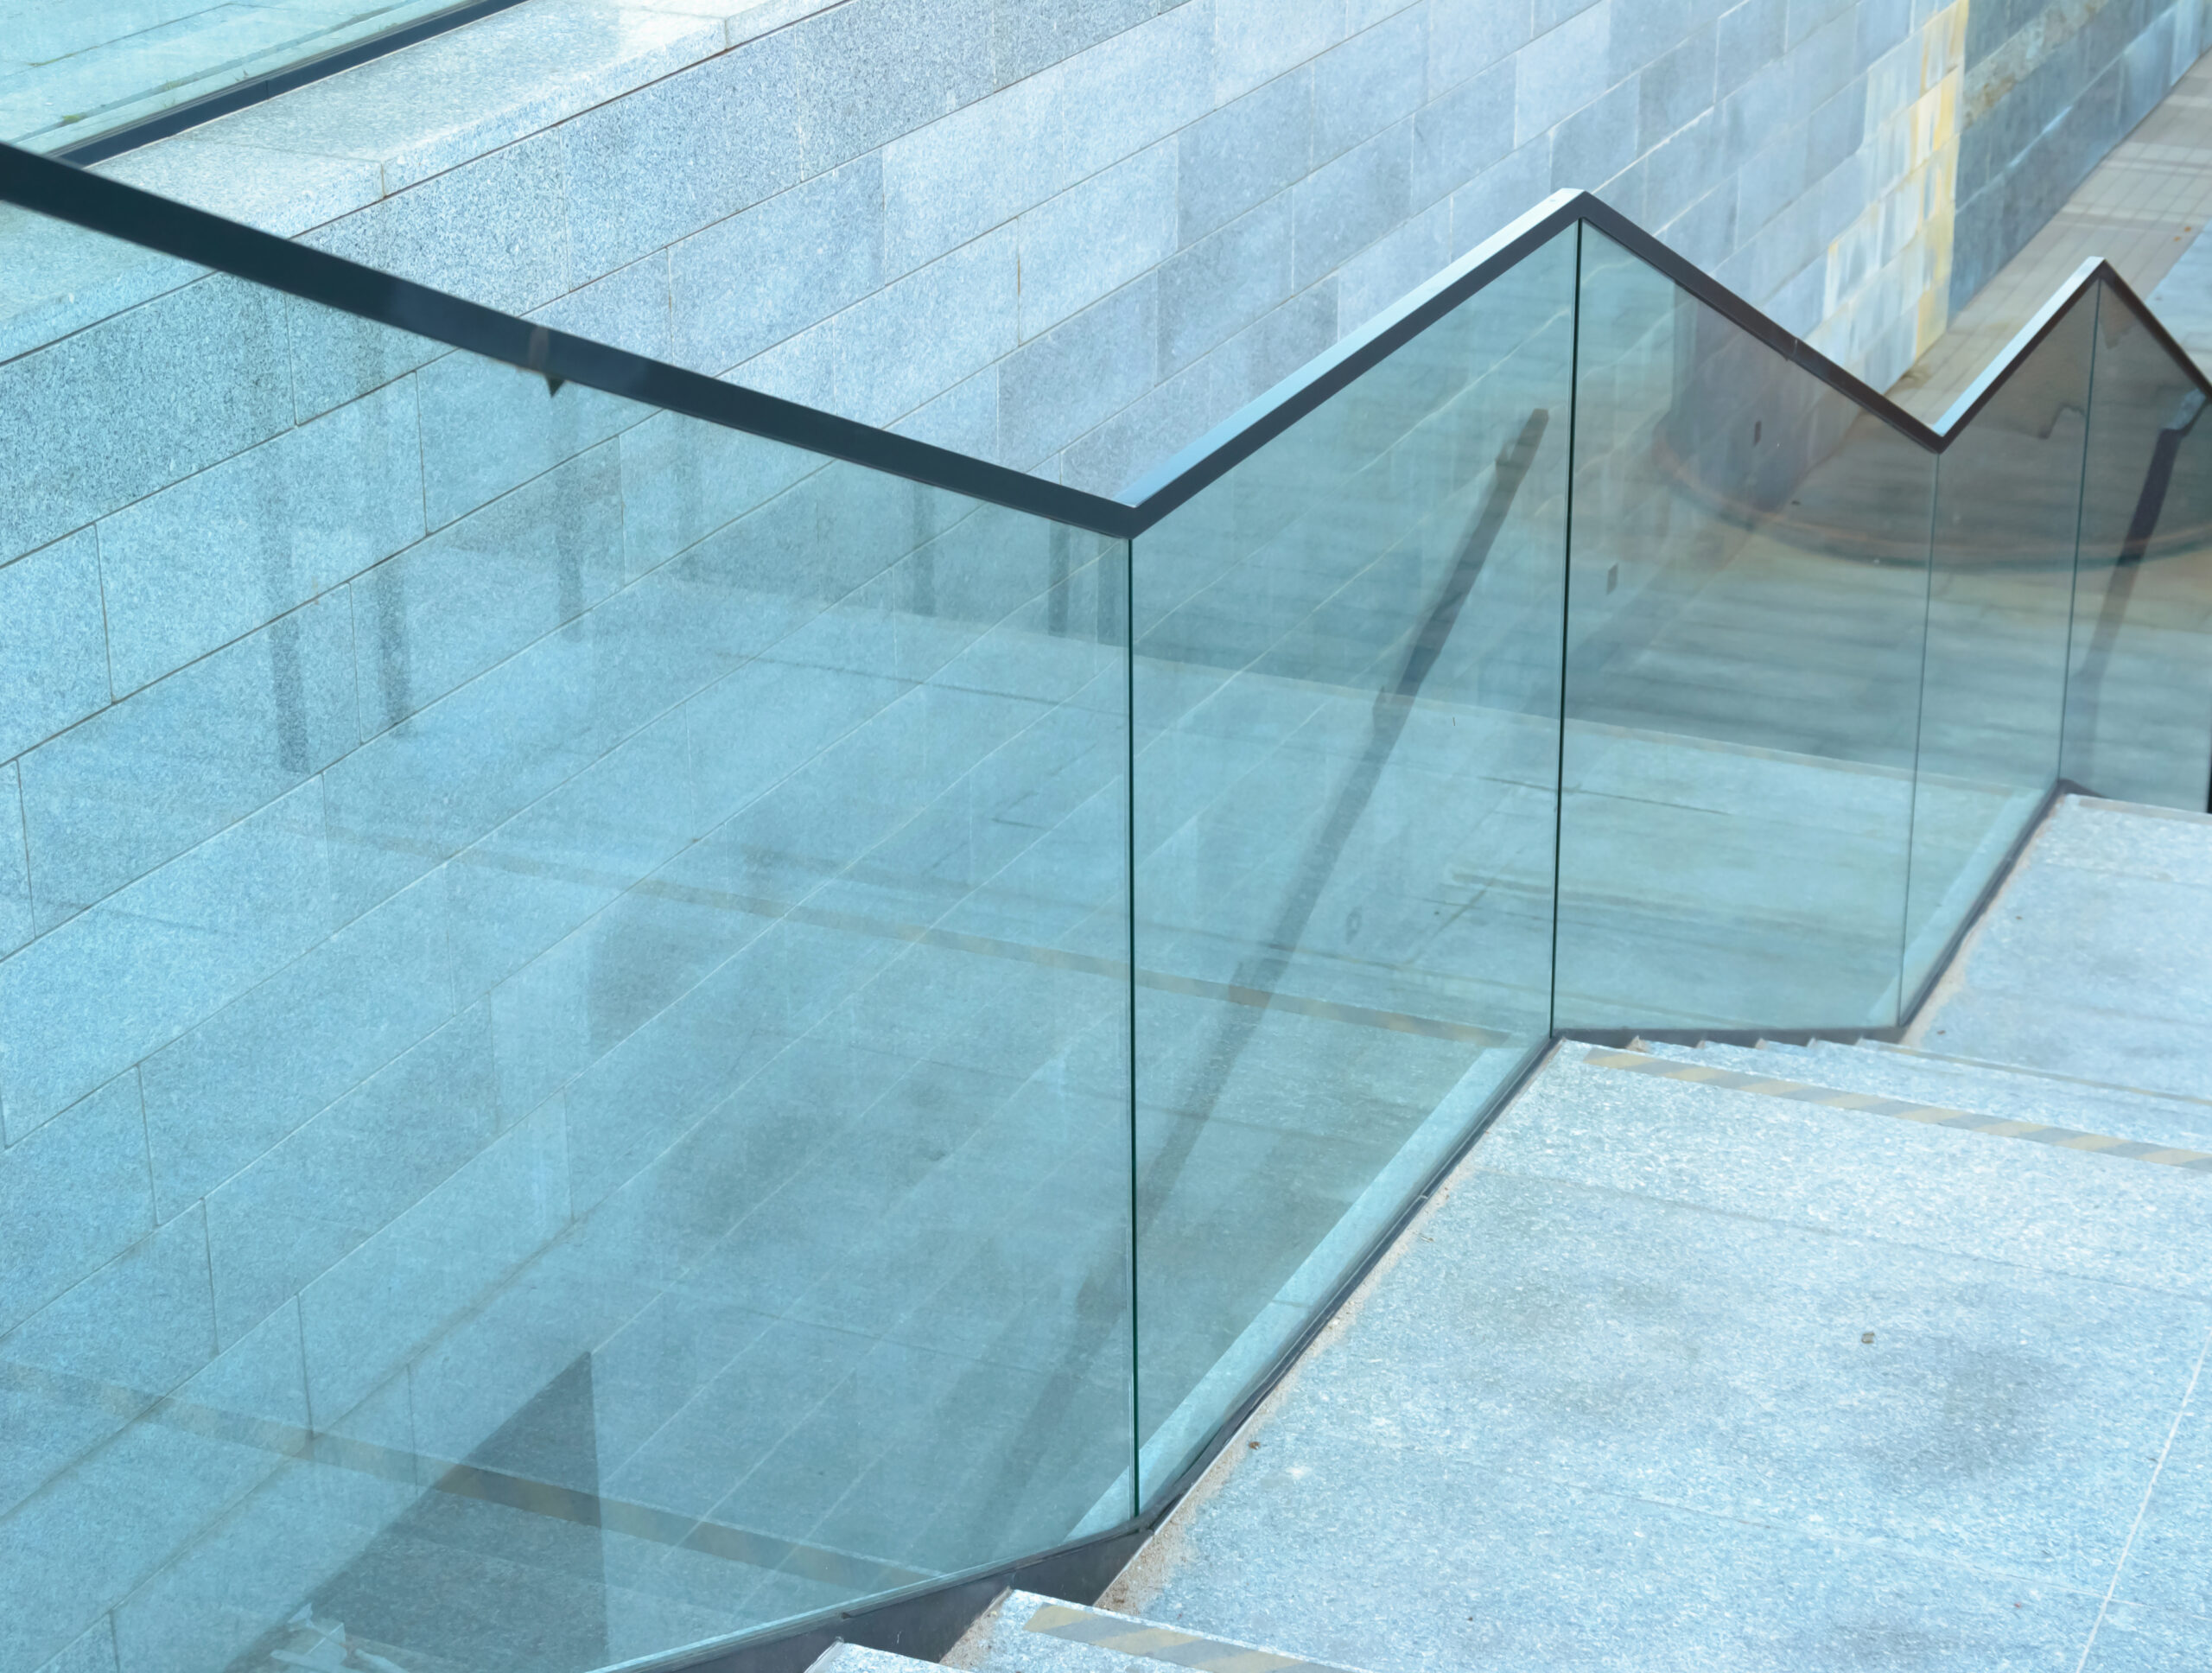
(1781, 1359)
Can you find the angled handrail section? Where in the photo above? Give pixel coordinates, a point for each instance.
(99, 204)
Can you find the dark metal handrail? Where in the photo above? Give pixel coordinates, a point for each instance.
(56, 189)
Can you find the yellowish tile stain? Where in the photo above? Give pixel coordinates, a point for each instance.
(1892, 263)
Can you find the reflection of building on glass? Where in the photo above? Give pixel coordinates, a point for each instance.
(861, 820)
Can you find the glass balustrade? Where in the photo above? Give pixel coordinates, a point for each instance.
(616, 1032)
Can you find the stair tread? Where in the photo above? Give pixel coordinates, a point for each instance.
(1996, 1091)
(1026, 1633)
(857, 1658)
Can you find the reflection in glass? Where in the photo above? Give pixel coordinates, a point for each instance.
(72, 70)
(1345, 699)
(566, 1021)
(1745, 607)
(2139, 701)
(2008, 498)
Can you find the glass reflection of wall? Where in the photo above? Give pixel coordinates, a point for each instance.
(1747, 598)
(2138, 709)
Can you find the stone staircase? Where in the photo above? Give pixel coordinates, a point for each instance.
(1025, 1633)
(2066, 1108)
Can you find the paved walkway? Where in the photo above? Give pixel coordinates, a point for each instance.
(1784, 1360)
(2140, 209)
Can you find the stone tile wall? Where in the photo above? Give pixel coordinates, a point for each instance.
(2049, 88)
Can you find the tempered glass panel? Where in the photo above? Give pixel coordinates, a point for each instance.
(2007, 502)
(2139, 695)
(71, 70)
(566, 1023)
(1746, 603)
(1346, 693)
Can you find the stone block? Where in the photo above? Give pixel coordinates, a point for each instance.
(1394, 265)
(1548, 15)
(138, 1323)
(1770, 179)
(1096, 237)
(1750, 38)
(1465, 37)
(748, 282)
(1223, 283)
(472, 595)
(136, 402)
(1598, 141)
(336, 358)
(367, 1315)
(659, 164)
(919, 335)
(348, 1172)
(1244, 153)
(1833, 133)
(1642, 34)
(628, 309)
(967, 173)
(488, 427)
(61, 278)
(53, 652)
(284, 192)
(1145, 434)
(87, 1000)
(1674, 89)
(683, 478)
(1374, 78)
(1265, 352)
(94, 1652)
(1501, 192)
(965, 418)
(1808, 17)
(417, 794)
(1136, 88)
(167, 767)
(233, 1087)
(1344, 206)
(1883, 25)
(73, 1196)
(1558, 73)
(103, 1529)
(1255, 40)
(1030, 35)
(1462, 133)
(1684, 168)
(528, 884)
(1055, 387)
(232, 548)
(872, 70)
(1705, 231)
(493, 230)
(1826, 62)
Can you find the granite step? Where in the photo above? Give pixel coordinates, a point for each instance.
(1025, 1633)
(1997, 1092)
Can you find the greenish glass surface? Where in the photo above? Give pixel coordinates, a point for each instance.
(1346, 701)
(2138, 700)
(1744, 615)
(2008, 509)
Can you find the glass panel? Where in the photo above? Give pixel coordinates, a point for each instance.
(1746, 603)
(2139, 695)
(71, 70)
(566, 1025)
(1346, 700)
(2007, 504)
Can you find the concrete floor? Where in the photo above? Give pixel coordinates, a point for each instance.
(1681, 1376)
